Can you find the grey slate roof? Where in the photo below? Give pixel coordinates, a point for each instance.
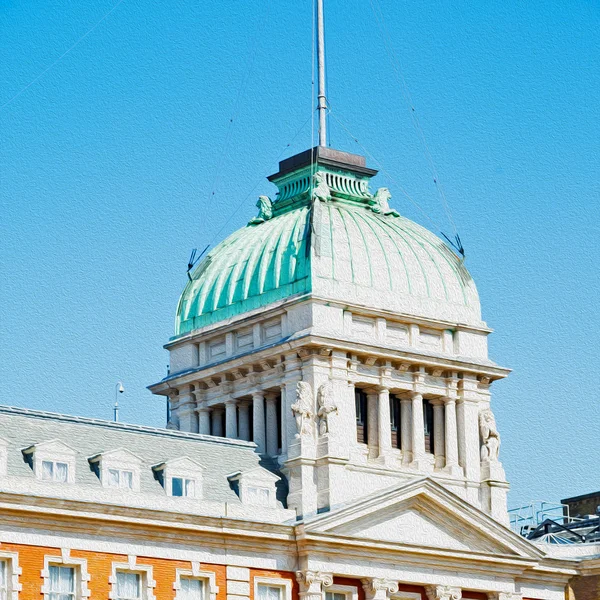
(219, 457)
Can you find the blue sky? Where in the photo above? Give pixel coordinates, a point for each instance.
(109, 160)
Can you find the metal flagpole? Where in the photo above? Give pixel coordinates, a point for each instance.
(322, 106)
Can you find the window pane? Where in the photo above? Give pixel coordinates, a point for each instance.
(113, 478)
(61, 472)
(274, 593)
(189, 487)
(191, 589)
(2, 575)
(127, 479)
(262, 592)
(128, 586)
(177, 486)
(47, 470)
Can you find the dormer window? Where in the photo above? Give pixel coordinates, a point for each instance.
(117, 469)
(55, 471)
(255, 487)
(180, 477)
(51, 461)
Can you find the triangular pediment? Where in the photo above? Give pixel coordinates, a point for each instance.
(422, 514)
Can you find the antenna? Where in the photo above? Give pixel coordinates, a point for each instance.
(322, 106)
(194, 258)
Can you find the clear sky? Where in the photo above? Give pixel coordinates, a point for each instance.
(108, 163)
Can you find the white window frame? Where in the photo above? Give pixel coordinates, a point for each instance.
(131, 566)
(284, 584)
(350, 591)
(182, 468)
(79, 565)
(207, 577)
(258, 478)
(185, 481)
(13, 587)
(54, 451)
(118, 460)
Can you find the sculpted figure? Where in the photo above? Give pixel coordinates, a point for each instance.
(303, 408)
(326, 407)
(321, 190)
(380, 203)
(490, 437)
(265, 210)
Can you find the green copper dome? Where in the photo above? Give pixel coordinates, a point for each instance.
(346, 245)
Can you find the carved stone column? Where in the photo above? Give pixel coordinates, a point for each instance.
(203, 420)
(272, 432)
(438, 433)
(217, 421)
(406, 430)
(451, 438)
(418, 433)
(312, 583)
(231, 418)
(379, 589)
(372, 424)
(244, 416)
(443, 592)
(384, 428)
(186, 410)
(258, 421)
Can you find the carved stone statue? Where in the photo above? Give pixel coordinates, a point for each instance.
(490, 438)
(265, 210)
(326, 407)
(321, 191)
(380, 203)
(303, 408)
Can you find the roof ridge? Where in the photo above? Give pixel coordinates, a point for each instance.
(133, 428)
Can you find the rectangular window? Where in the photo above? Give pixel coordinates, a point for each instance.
(428, 425)
(3, 580)
(335, 596)
(129, 586)
(120, 479)
(180, 486)
(190, 589)
(61, 583)
(360, 400)
(257, 495)
(395, 421)
(55, 471)
(269, 592)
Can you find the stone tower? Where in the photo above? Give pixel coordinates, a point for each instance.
(345, 340)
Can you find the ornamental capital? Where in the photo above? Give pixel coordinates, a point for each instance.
(311, 581)
(443, 592)
(379, 588)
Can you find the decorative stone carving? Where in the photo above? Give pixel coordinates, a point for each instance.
(303, 409)
(443, 592)
(265, 210)
(321, 191)
(380, 202)
(490, 438)
(379, 589)
(326, 407)
(504, 596)
(311, 584)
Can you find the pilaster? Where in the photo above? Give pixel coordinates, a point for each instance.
(311, 584)
(443, 592)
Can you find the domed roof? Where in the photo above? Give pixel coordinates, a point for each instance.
(351, 251)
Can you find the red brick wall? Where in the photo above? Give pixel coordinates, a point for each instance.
(99, 565)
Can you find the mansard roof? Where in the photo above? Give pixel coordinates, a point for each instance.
(218, 457)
